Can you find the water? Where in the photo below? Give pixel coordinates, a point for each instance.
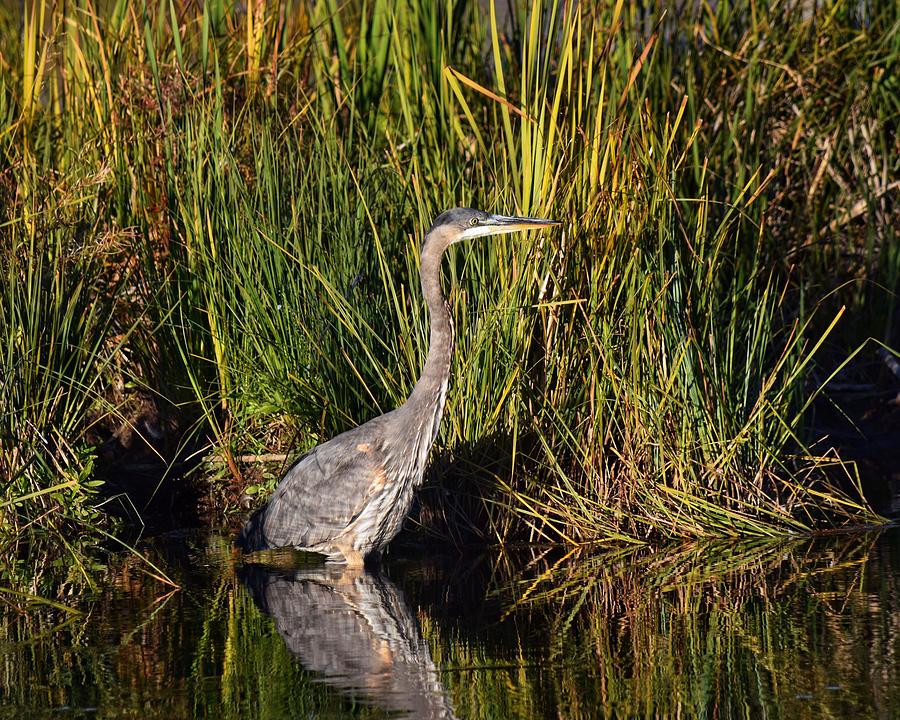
(800, 629)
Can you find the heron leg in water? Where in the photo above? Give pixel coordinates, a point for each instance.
(348, 556)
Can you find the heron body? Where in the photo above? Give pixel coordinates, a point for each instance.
(347, 498)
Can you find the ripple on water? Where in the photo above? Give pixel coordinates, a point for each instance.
(800, 629)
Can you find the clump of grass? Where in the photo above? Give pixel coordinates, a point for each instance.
(63, 331)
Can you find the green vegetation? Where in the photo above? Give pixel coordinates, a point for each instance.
(215, 213)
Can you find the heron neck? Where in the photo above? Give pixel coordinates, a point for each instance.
(431, 388)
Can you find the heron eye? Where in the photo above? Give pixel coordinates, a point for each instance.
(473, 222)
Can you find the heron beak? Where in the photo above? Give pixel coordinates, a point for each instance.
(502, 224)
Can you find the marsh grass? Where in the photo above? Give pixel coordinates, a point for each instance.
(725, 177)
(62, 340)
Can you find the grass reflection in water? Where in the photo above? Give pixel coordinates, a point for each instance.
(806, 628)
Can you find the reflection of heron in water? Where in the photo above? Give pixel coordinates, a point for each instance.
(355, 629)
(348, 497)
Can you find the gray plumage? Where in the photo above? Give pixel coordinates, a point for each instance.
(348, 497)
(356, 631)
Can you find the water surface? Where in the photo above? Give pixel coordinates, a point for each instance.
(792, 629)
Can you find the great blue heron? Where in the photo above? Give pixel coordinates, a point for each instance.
(348, 497)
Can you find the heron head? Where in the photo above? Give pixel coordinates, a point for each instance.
(459, 224)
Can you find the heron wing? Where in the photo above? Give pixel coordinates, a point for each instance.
(324, 491)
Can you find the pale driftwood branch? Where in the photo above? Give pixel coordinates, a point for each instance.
(264, 458)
